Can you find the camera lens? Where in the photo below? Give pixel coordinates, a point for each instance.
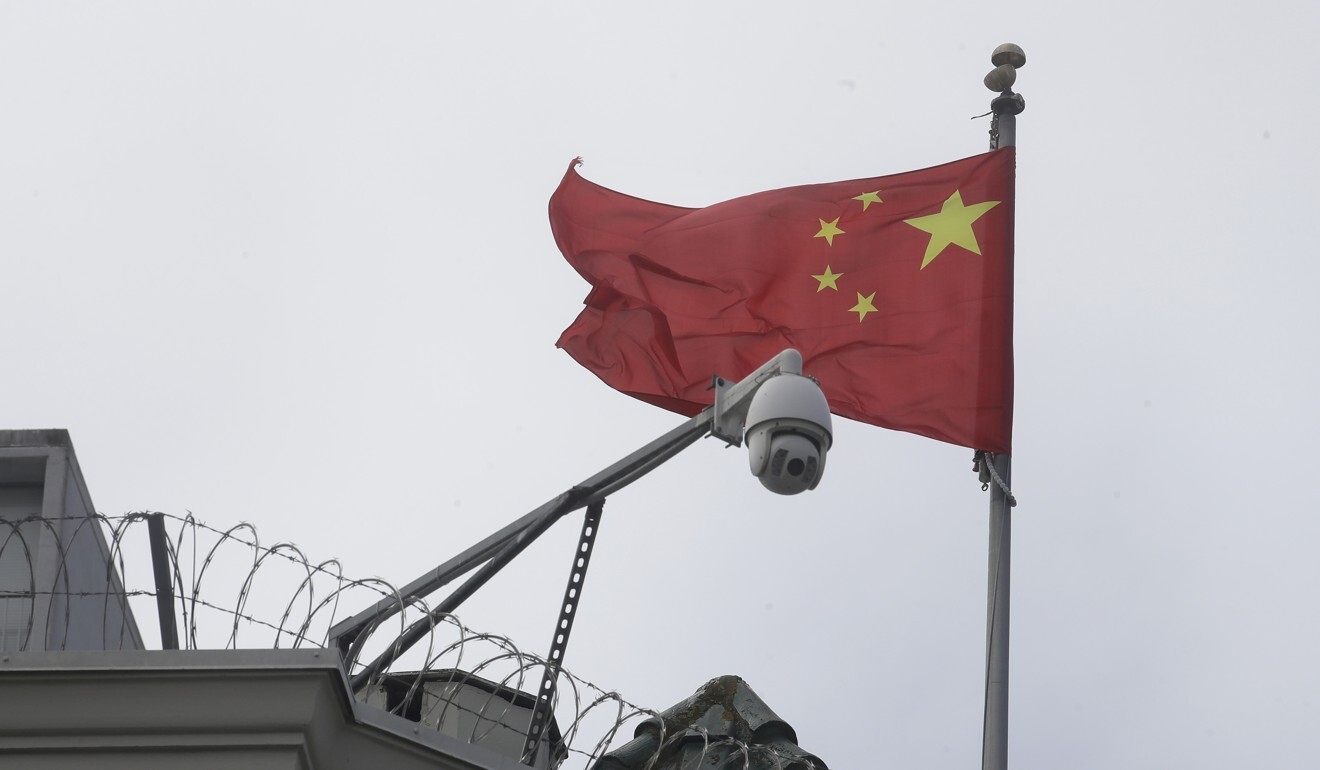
(796, 466)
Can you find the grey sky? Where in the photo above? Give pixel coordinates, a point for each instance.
(289, 264)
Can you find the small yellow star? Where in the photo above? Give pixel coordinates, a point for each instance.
(953, 225)
(863, 306)
(828, 279)
(868, 198)
(828, 230)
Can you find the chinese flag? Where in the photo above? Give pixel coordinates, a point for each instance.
(897, 290)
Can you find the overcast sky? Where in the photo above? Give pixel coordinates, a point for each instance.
(289, 263)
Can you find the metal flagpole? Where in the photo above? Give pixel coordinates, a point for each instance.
(996, 469)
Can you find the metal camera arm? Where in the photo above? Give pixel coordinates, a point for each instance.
(724, 420)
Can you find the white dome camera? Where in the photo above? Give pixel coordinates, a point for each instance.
(788, 433)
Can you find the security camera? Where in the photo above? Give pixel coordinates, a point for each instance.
(788, 433)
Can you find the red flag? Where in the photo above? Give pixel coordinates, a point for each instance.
(896, 289)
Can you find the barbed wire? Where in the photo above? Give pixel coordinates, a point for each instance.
(224, 584)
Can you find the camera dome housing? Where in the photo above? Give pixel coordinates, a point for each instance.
(789, 432)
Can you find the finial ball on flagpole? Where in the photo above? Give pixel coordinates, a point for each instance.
(1007, 58)
(1001, 78)
(1010, 54)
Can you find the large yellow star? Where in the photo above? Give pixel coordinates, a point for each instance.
(863, 306)
(952, 225)
(868, 198)
(827, 279)
(828, 230)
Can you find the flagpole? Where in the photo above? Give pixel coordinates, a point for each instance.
(1007, 59)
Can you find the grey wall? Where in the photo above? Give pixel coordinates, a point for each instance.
(63, 558)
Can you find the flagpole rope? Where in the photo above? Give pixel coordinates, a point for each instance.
(999, 482)
(983, 463)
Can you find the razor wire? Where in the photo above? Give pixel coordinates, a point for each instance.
(218, 574)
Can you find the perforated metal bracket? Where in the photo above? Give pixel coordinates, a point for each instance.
(545, 696)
